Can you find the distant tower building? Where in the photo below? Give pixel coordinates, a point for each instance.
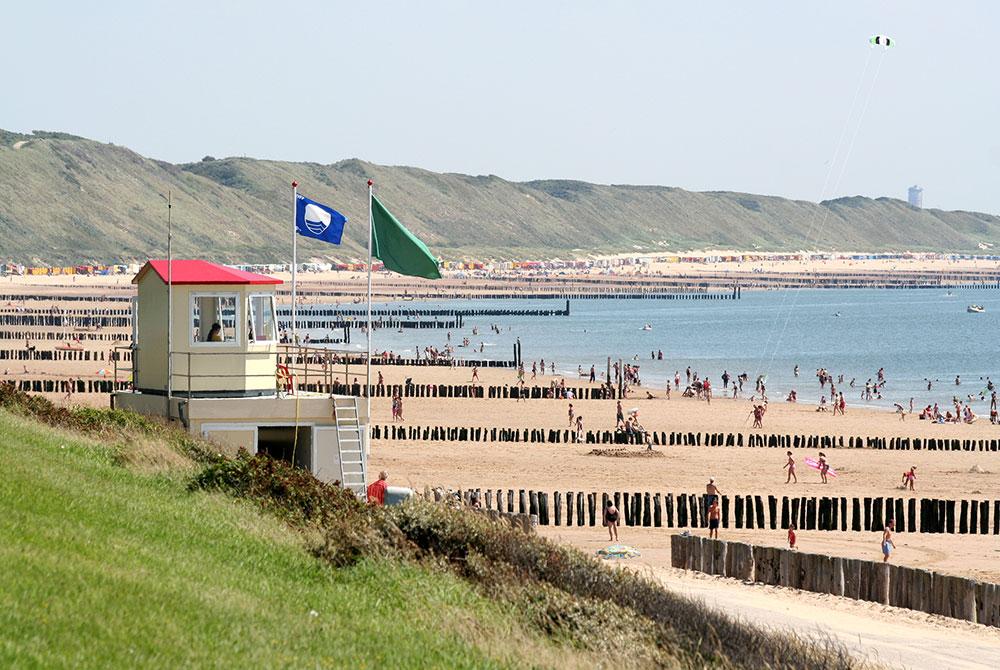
(915, 196)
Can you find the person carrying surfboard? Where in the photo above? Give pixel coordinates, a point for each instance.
(824, 467)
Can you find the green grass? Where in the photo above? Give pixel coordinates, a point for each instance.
(104, 566)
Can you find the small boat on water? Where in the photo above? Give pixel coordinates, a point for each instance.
(975, 309)
(647, 327)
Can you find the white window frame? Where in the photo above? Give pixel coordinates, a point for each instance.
(235, 342)
(251, 315)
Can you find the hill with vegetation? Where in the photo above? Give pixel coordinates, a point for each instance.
(128, 544)
(66, 199)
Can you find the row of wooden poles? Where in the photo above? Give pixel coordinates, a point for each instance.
(65, 320)
(884, 583)
(689, 510)
(662, 438)
(64, 385)
(407, 312)
(33, 335)
(22, 297)
(62, 355)
(380, 324)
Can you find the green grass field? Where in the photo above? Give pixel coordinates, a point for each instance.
(105, 566)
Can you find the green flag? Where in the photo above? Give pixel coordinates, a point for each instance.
(400, 250)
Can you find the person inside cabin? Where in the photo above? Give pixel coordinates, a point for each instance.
(215, 334)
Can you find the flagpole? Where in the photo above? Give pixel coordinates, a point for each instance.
(295, 261)
(368, 331)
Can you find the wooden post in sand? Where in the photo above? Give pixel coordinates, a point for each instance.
(591, 507)
(580, 521)
(557, 500)
(522, 500)
(657, 511)
(678, 551)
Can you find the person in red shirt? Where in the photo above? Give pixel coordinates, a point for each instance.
(791, 536)
(376, 490)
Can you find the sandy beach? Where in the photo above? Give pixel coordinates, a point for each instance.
(900, 638)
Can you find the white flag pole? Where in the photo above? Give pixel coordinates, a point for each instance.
(295, 260)
(368, 331)
(170, 306)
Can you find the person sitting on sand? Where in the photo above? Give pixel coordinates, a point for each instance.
(969, 415)
(790, 466)
(822, 404)
(611, 521)
(792, 396)
(887, 544)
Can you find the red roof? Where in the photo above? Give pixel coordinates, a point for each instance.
(202, 272)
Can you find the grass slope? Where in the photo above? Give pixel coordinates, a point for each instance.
(69, 199)
(107, 567)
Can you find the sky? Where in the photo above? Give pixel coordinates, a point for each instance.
(781, 98)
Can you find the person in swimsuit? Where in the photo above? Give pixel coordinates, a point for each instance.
(714, 515)
(887, 544)
(910, 477)
(790, 466)
(611, 521)
(824, 467)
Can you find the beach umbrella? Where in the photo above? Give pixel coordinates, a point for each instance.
(616, 551)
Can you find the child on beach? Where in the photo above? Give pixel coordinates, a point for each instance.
(910, 477)
(824, 467)
(791, 536)
(887, 544)
(790, 466)
(611, 521)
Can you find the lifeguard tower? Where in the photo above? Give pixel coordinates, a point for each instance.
(224, 375)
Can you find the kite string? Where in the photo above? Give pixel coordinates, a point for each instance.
(823, 191)
(813, 228)
(836, 186)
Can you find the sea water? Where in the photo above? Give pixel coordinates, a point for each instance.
(915, 335)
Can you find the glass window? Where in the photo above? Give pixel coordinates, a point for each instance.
(213, 318)
(261, 324)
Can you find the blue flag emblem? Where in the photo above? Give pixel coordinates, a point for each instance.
(318, 221)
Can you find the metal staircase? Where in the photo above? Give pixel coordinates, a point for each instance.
(350, 441)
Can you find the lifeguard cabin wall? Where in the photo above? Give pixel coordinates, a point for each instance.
(223, 364)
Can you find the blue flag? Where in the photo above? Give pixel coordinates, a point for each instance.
(318, 221)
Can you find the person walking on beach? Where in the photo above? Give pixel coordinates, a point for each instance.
(841, 403)
(571, 415)
(611, 521)
(677, 380)
(791, 536)
(910, 477)
(824, 467)
(534, 369)
(619, 414)
(579, 428)
(714, 516)
(593, 374)
(706, 388)
(790, 466)
(887, 544)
